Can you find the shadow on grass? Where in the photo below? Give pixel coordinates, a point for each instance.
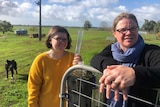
(23, 76)
(18, 76)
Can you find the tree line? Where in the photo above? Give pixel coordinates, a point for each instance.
(151, 26)
(148, 26)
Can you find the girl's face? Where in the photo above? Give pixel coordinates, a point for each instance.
(126, 33)
(59, 42)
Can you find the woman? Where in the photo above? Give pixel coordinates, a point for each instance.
(48, 68)
(128, 65)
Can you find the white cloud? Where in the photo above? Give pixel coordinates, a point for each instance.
(73, 12)
(10, 8)
(61, 1)
(57, 12)
(122, 8)
(147, 12)
(7, 7)
(80, 11)
(26, 6)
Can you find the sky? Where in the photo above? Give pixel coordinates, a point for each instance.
(76, 12)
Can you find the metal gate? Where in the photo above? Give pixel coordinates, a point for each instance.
(80, 88)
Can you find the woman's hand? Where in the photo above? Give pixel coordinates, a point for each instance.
(118, 78)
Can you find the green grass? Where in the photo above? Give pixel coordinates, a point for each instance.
(13, 93)
(151, 39)
(23, 49)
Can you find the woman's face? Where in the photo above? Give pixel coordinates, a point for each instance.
(59, 42)
(126, 33)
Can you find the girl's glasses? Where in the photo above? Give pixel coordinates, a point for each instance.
(60, 39)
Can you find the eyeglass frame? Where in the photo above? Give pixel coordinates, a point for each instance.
(125, 30)
(61, 39)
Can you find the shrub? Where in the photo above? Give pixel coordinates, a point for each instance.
(158, 35)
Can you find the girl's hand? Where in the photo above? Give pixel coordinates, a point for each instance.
(77, 59)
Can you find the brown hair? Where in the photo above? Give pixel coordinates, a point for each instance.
(53, 31)
(120, 17)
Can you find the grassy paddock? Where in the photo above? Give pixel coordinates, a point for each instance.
(13, 93)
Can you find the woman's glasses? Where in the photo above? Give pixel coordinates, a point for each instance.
(125, 30)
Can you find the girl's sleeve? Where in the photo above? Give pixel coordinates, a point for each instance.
(34, 83)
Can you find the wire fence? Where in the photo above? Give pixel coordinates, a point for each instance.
(80, 88)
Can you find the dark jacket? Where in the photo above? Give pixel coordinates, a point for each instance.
(147, 73)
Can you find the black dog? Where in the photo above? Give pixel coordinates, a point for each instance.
(11, 65)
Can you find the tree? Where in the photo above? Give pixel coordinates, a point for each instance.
(149, 25)
(103, 25)
(157, 27)
(5, 26)
(87, 25)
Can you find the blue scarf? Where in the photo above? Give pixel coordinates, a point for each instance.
(131, 56)
(128, 58)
